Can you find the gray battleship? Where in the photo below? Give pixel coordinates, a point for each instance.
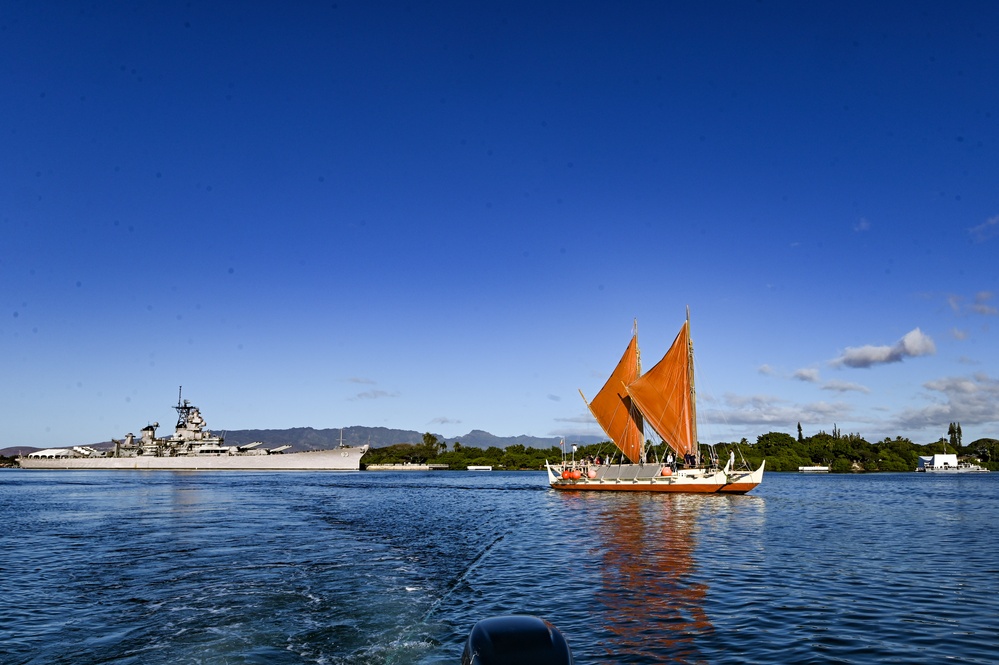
(192, 446)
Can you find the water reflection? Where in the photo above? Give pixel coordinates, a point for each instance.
(653, 603)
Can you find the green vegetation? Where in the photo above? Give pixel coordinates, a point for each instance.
(850, 452)
(435, 451)
(783, 452)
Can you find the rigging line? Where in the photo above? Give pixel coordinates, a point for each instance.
(706, 393)
(721, 415)
(705, 388)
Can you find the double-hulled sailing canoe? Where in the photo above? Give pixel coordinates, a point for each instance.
(663, 400)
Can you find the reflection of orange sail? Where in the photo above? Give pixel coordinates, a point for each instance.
(649, 584)
(612, 406)
(664, 395)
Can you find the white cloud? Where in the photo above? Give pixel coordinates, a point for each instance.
(958, 334)
(951, 386)
(808, 374)
(988, 229)
(914, 343)
(765, 369)
(442, 420)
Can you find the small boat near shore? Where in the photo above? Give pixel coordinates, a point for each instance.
(192, 446)
(663, 399)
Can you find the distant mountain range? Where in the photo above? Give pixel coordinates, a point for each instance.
(308, 438)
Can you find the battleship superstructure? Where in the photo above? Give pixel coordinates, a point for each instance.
(192, 446)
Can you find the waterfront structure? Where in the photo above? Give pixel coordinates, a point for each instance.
(946, 463)
(406, 466)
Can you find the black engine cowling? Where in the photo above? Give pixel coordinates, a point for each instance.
(516, 640)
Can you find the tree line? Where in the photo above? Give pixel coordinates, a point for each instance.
(783, 452)
(851, 452)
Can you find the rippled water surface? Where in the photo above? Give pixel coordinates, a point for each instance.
(229, 567)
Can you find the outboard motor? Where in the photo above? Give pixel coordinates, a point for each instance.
(516, 640)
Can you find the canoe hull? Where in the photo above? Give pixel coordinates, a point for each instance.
(650, 478)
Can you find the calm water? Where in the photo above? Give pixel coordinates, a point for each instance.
(196, 567)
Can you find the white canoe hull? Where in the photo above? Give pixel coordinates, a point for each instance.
(650, 478)
(338, 459)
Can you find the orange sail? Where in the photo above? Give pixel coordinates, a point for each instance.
(613, 409)
(664, 395)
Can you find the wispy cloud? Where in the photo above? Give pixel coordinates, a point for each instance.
(766, 370)
(357, 379)
(555, 398)
(986, 230)
(768, 411)
(862, 225)
(583, 418)
(373, 394)
(579, 425)
(970, 400)
(982, 304)
(958, 334)
(914, 343)
(443, 420)
(844, 387)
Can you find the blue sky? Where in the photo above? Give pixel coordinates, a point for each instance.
(444, 216)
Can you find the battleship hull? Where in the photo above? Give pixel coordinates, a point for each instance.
(193, 447)
(338, 459)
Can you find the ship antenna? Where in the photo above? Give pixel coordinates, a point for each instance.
(180, 391)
